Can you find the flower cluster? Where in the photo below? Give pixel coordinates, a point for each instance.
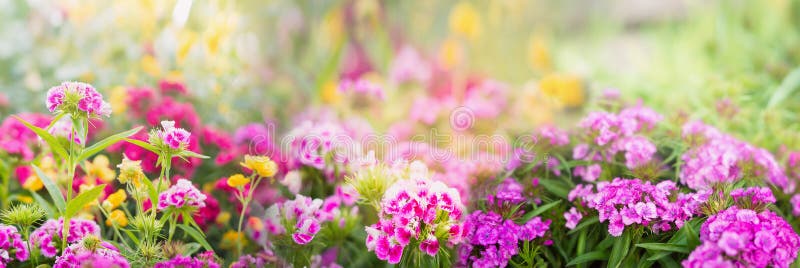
(182, 194)
(12, 245)
(716, 157)
(300, 217)
(78, 99)
(203, 260)
(494, 240)
(91, 252)
(745, 238)
(416, 211)
(317, 145)
(48, 236)
(609, 134)
(175, 138)
(624, 202)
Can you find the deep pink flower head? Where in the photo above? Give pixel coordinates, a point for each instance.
(48, 236)
(182, 194)
(12, 245)
(409, 66)
(78, 98)
(203, 260)
(745, 238)
(78, 256)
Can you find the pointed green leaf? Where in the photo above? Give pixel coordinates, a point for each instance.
(197, 236)
(620, 249)
(101, 145)
(585, 223)
(664, 247)
(51, 140)
(48, 208)
(82, 200)
(143, 144)
(539, 210)
(659, 255)
(187, 153)
(52, 189)
(589, 256)
(555, 187)
(152, 192)
(788, 86)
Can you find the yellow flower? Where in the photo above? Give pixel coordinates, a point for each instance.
(150, 65)
(115, 200)
(25, 199)
(237, 181)
(98, 168)
(117, 100)
(231, 239)
(465, 21)
(117, 217)
(567, 89)
(450, 53)
(538, 54)
(33, 183)
(330, 93)
(262, 165)
(223, 218)
(130, 171)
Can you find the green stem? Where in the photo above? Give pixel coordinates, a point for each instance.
(172, 221)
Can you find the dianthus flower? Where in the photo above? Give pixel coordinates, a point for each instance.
(182, 194)
(84, 255)
(716, 157)
(78, 99)
(12, 245)
(175, 138)
(203, 260)
(492, 240)
(573, 217)
(48, 236)
(320, 146)
(624, 202)
(300, 217)
(745, 238)
(416, 211)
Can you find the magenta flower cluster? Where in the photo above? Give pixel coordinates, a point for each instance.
(303, 214)
(203, 260)
(12, 245)
(491, 241)
(625, 202)
(182, 194)
(48, 236)
(86, 99)
(78, 256)
(745, 238)
(417, 212)
(752, 196)
(716, 157)
(311, 144)
(175, 138)
(609, 134)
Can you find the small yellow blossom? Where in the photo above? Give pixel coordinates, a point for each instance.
(538, 54)
(262, 165)
(117, 99)
(255, 223)
(465, 21)
(567, 89)
(99, 168)
(33, 183)
(25, 199)
(451, 53)
(117, 217)
(130, 171)
(186, 40)
(232, 239)
(150, 65)
(237, 181)
(330, 93)
(115, 200)
(223, 217)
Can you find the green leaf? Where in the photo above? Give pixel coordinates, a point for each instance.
(589, 256)
(692, 238)
(51, 140)
(539, 210)
(586, 223)
(190, 248)
(83, 199)
(664, 247)
(199, 237)
(553, 186)
(152, 192)
(788, 86)
(659, 255)
(52, 189)
(131, 235)
(99, 146)
(143, 144)
(187, 153)
(620, 249)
